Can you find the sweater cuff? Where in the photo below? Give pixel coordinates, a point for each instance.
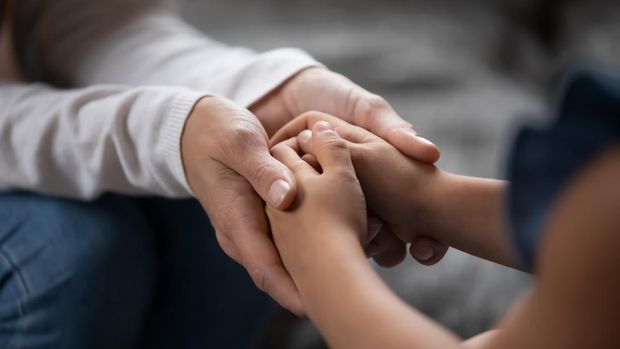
(268, 71)
(172, 130)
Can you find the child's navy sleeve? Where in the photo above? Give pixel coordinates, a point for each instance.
(543, 159)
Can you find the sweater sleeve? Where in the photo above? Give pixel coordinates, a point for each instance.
(80, 143)
(146, 43)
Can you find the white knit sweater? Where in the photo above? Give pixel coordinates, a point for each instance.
(129, 80)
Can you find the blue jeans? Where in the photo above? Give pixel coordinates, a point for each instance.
(120, 273)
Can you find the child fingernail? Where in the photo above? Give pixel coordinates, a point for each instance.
(424, 253)
(304, 136)
(278, 192)
(322, 126)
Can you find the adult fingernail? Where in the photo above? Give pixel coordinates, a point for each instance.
(424, 140)
(278, 192)
(372, 249)
(304, 136)
(424, 253)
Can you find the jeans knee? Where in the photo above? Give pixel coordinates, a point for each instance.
(89, 267)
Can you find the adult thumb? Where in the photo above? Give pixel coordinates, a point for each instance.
(271, 179)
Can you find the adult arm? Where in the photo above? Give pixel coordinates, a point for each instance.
(142, 42)
(147, 43)
(81, 143)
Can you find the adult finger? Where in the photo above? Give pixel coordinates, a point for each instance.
(307, 120)
(390, 251)
(237, 213)
(247, 153)
(375, 114)
(339, 96)
(312, 161)
(426, 250)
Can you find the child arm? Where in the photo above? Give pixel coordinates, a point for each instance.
(418, 200)
(574, 303)
(320, 241)
(467, 213)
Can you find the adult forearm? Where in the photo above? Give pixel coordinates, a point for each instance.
(81, 143)
(147, 43)
(161, 49)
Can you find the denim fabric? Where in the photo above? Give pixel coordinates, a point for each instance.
(119, 273)
(544, 159)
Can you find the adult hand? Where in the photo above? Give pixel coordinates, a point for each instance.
(319, 218)
(228, 166)
(318, 89)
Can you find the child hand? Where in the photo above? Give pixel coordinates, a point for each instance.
(329, 210)
(398, 190)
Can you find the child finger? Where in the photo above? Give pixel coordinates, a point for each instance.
(307, 120)
(286, 154)
(330, 150)
(312, 161)
(303, 140)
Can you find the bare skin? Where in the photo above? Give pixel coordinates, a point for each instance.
(574, 304)
(227, 162)
(228, 165)
(412, 218)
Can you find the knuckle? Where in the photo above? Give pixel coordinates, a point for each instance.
(299, 168)
(335, 143)
(376, 102)
(227, 246)
(242, 133)
(260, 171)
(259, 276)
(278, 148)
(366, 107)
(309, 114)
(236, 138)
(345, 175)
(291, 306)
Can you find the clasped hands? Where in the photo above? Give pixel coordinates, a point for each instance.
(345, 174)
(226, 155)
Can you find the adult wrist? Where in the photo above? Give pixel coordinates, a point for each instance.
(172, 132)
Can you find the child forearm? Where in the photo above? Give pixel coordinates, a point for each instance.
(468, 214)
(353, 308)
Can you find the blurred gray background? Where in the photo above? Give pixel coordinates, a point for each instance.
(464, 73)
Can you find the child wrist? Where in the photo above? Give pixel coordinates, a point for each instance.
(428, 206)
